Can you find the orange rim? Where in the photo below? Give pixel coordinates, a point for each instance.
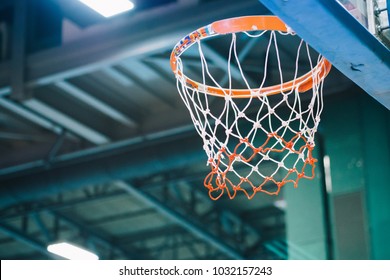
(241, 24)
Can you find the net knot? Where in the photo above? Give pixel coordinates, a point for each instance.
(289, 145)
(241, 115)
(257, 125)
(232, 157)
(310, 160)
(266, 179)
(292, 170)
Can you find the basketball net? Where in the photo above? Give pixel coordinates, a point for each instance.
(257, 138)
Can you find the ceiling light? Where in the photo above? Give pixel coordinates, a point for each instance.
(109, 8)
(71, 252)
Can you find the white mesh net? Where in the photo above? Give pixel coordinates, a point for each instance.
(259, 137)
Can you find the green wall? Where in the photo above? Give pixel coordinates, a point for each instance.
(356, 133)
(376, 150)
(304, 219)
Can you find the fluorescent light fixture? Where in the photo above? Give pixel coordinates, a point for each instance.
(109, 8)
(71, 252)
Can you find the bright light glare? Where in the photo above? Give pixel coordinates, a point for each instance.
(71, 252)
(281, 204)
(109, 8)
(328, 176)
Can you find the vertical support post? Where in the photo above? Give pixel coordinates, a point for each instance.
(18, 56)
(325, 199)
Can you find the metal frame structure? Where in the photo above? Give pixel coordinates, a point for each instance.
(36, 214)
(34, 211)
(353, 50)
(240, 239)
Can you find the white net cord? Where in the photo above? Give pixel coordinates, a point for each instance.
(260, 142)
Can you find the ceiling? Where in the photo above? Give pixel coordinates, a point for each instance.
(96, 146)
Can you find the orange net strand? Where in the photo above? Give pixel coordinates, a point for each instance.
(218, 182)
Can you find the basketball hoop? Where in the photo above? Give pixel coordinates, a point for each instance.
(257, 137)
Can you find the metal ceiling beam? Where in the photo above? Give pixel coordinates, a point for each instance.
(23, 137)
(67, 122)
(179, 245)
(110, 81)
(150, 234)
(116, 163)
(230, 220)
(223, 63)
(118, 217)
(58, 205)
(136, 36)
(92, 101)
(120, 147)
(30, 116)
(97, 236)
(117, 76)
(143, 83)
(181, 220)
(70, 222)
(226, 215)
(241, 56)
(330, 29)
(42, 227)
(21, 237)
